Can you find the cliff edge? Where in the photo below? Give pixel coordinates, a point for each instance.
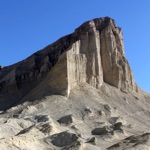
(92, 54)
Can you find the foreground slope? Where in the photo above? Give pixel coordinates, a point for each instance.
(77, 93)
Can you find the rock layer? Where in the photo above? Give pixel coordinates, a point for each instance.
(93, 54)
(116, 69)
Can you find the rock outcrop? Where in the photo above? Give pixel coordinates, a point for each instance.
(140, 142)
(93, 54)
(116, 69)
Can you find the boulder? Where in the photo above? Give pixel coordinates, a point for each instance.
(101, 131)
(42, 118)
(66, 120)
(118, 126)
(63, 139)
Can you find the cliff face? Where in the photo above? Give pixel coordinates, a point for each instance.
(93, 54)
(77, 93)
(116, 69)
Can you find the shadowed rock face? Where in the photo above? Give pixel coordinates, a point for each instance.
(93, 54)
(140, 142)
(64, 139)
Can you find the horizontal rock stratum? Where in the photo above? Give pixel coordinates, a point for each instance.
(92, 54)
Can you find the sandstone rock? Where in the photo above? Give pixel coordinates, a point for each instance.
(116, 69)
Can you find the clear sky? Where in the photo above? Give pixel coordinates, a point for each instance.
(29, 25)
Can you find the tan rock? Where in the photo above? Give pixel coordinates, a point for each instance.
(116, 69)
(93, 54)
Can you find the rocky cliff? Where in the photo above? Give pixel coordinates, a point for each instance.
(78, 93)
(93, 54)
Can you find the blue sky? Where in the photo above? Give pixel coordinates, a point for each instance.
(29, 25)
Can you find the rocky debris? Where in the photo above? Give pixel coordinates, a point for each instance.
(88, 110)
(67, 120)
(107, 108)
(118, 126)
(139, 142)
(41, 122)
(86, 113)
(45, 128)
(105, 130)
(39, 118)
(10, 126)
(35, 128)
(100, 113)
(113, 120)
(90, 140)
(42, 118)
(26, 130)
(62, 139)
(102, 130)
(93, 54)
(84, 74)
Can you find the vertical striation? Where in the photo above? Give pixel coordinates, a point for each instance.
(116, 68)
(93, 54)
